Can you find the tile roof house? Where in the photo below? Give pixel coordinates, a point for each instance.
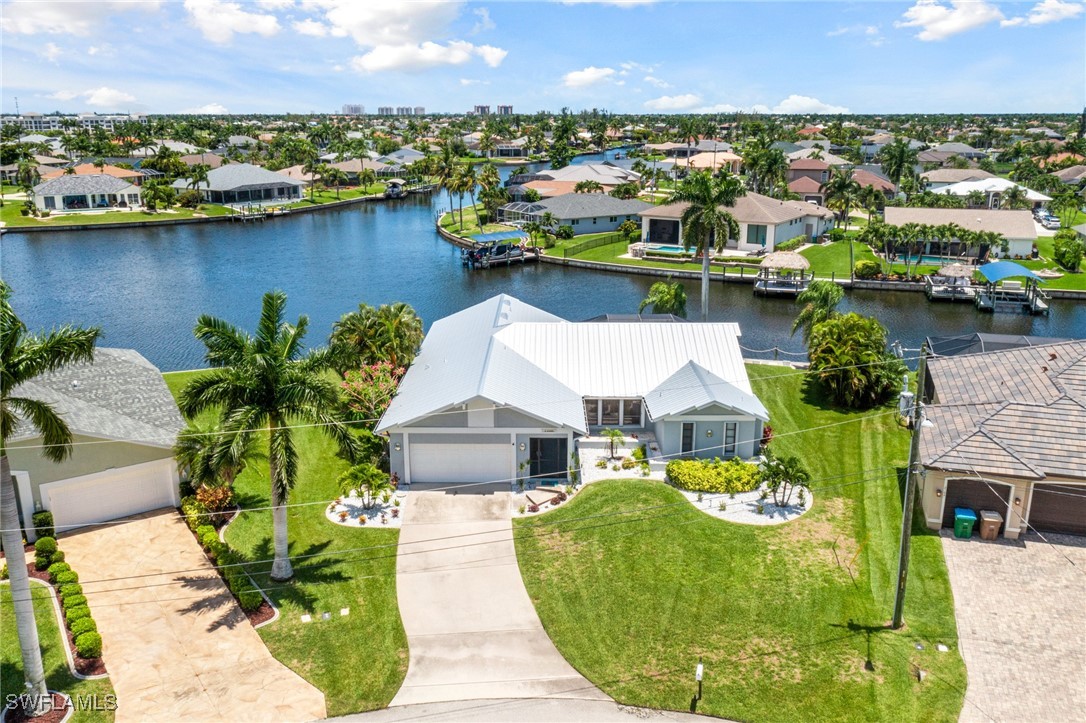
(764, 222)
(1005, 435)
(124, 421)
(90, 169)
(1015, 226)
(85, 193)
(502, 390)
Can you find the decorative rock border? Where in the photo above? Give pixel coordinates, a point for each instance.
(742, 507)
(69, 706)
(349, 512)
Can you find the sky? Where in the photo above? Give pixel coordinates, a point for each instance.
(624, 56)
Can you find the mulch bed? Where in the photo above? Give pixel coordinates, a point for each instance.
(60, 709)
(262, 614)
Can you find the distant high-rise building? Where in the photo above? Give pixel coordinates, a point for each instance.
(482, 110)
(385, 110)
(353, 109)
(505, 110)
(420, 110)
(404, 110)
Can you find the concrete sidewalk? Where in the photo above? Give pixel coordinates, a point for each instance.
(547, 710)
(472, 630)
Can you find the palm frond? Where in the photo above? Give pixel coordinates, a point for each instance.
(226, 344)
(54, 431)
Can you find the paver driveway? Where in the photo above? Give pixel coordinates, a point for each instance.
(471, 628)
(1021, 612)
(176, 644)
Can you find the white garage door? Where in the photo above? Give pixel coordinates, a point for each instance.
(431, 462)
(111, 494)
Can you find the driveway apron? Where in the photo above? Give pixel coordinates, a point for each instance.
(177, 646)
(471, 628)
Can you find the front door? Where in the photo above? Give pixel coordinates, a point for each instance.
(687, 438)
(548, 457)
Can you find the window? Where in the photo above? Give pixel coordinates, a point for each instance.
(610, 411)
(729, 438)
(613, 219)
(825, 176)
(631, 412)
(574, 222)
(687, 445)
(51, 202)
(594, 221)
(756, 234)
(592, 411)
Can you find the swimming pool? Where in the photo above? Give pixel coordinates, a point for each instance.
(666, 248)
(936, 260)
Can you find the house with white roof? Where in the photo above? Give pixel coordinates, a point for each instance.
(993, 189)
(503, 390)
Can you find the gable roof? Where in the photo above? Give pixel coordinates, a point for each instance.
(235, 176)
(808, 164)
(120, 396)
(805, 184)
(751, 208)
(693, 387)
(955, 175)
(989, 185)
(606, 173)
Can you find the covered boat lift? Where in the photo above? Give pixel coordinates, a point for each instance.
(1001, 294)
(951, 283)
(783, 273)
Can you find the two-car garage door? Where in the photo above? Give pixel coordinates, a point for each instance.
(486, 458)
(112, 494)
(1058, 508)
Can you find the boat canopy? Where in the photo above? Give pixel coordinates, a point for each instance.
(999, 270)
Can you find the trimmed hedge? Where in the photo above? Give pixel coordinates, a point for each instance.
(83, 625)
(43, 524)
(72, 588)
(73, 601)
(45, 546)
(203, 530)
(57, 568)
(195, 513)
(791, 244)
(76, 613)
(866, 269)
(42, 562)
(89, 645)
(699, 475)
(57, 556)
(66, 577)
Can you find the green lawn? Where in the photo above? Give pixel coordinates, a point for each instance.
(784, 618)
(329, 195)
(11, 216)
(360, 660)
(451, 222)
(57, 675)
(1045, 246)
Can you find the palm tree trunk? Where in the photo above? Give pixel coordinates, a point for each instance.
(705, 283)
(26, 627)
(281, 568)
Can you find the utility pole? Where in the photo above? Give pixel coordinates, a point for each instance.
(910, 494)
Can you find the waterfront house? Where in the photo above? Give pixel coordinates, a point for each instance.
(993, 189)
(503, 390)
(764, 222)
(130, 175)
(211, 160)
(1004, 434)
(246, 183)
(1015, 226)
(402, 157)
(584, 212)
(85, 193)
(124, 423)
(942, 177)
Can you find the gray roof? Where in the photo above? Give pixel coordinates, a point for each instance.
(76, 185)
(240, 176)
(1018, 412)
(120, 396)
(591, 205)
(694, 388)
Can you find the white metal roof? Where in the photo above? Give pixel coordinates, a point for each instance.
(989, 185)
(693, 388)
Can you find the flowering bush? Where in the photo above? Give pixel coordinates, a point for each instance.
(369, 390)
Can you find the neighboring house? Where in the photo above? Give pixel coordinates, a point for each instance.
(1005, 435)
(354, 166)
(607, 174)
(151, 150)
(810, 168)
(764, 222)
(245, 183)
(867, 178)
(130, 175)
(993, 189)
(515, 148)
(1081, 231)
(403, 157)
(1072, 174)
(825, 156)
(808, 190)
(1015, 226)
(942, 177)
(502, 390)
(584, 212)
(241, 142)
(211, 160)
(960, 149)
(124, 423)
(85, 193)
(713, 160)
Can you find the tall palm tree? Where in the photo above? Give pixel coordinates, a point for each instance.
(588, 187)
(391, 333)
(897, 159)
(1014, 197)
(841, 192)
(463, 181)
(336, 177)
(198, 175)
(266, 381)
(820, 300)
(871, 199)
(705, 222)
(25, 356)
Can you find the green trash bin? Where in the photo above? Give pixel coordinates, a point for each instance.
(964, 519)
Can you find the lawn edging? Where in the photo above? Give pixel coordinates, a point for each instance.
(275, 609)
(67, 707)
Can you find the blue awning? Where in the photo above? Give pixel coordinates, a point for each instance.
(499, 236)
(999, 270)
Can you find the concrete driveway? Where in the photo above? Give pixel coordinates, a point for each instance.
(1021, 612)
(471, 628)
(177, 646)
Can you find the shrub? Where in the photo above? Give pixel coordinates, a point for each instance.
(791, 244)
(41, 562)
(628, 463)
(58, 568)
(565, 232)
(767, 435)
(639, 452)
(45, 547)
(1068, 250)
(866, 269)
(43, 524)
(698, 475)
(216, 549)
(89, 645)
(250, 599)
(209, 539)
(203, 530)
(215, 499)
(185, 489)
(75, 613)
(195, 513)
(601, 463)
(849, 360)
(66, 578)
(189, 199)
(4, 571)
(70, 589)
(533, 508)
(83, 625)
(74, 601)
(57, 556)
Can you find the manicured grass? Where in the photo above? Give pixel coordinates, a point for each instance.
(57, 675)
(833, 258)
(1069, 280)
(329, 195)
(784, 618)
(451, 222)
(11, 216)
(358, 661)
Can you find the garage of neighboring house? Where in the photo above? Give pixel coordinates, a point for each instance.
(1058, 508)
(124, 423)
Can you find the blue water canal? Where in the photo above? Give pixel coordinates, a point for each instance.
(145, 287)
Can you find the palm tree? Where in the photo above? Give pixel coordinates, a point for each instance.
(820, 301)
(1014, 197)
(367, 177)
(312, 168)
(336, 177)
(198, 175)
(871, 199)
(463, 181)
(588, 187)
(391, 333)
(975, 198)
(266, 381)
(665, 298)
(841, 192)
(704, 222)
(208, 458)
(614, 436)
(26, 356)
(897, 159)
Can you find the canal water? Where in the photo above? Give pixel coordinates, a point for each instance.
(145, 287)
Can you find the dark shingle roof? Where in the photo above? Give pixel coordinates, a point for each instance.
(585, 205)
(83, 185)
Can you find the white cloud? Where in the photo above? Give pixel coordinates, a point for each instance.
(65, 18)
(466, 82)
(657, 82)
(484, 22)
(51, 52)
(617, 3)
(387, 22)
(208, 109)
(414, 58)
(806, 104)
(674, 102)
(275, 4)
(104, 50)
(586, 77)
(218, 20)
(105, 97)
(938, 21)
(309, 26)
(63, 95)
(1047, 11)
